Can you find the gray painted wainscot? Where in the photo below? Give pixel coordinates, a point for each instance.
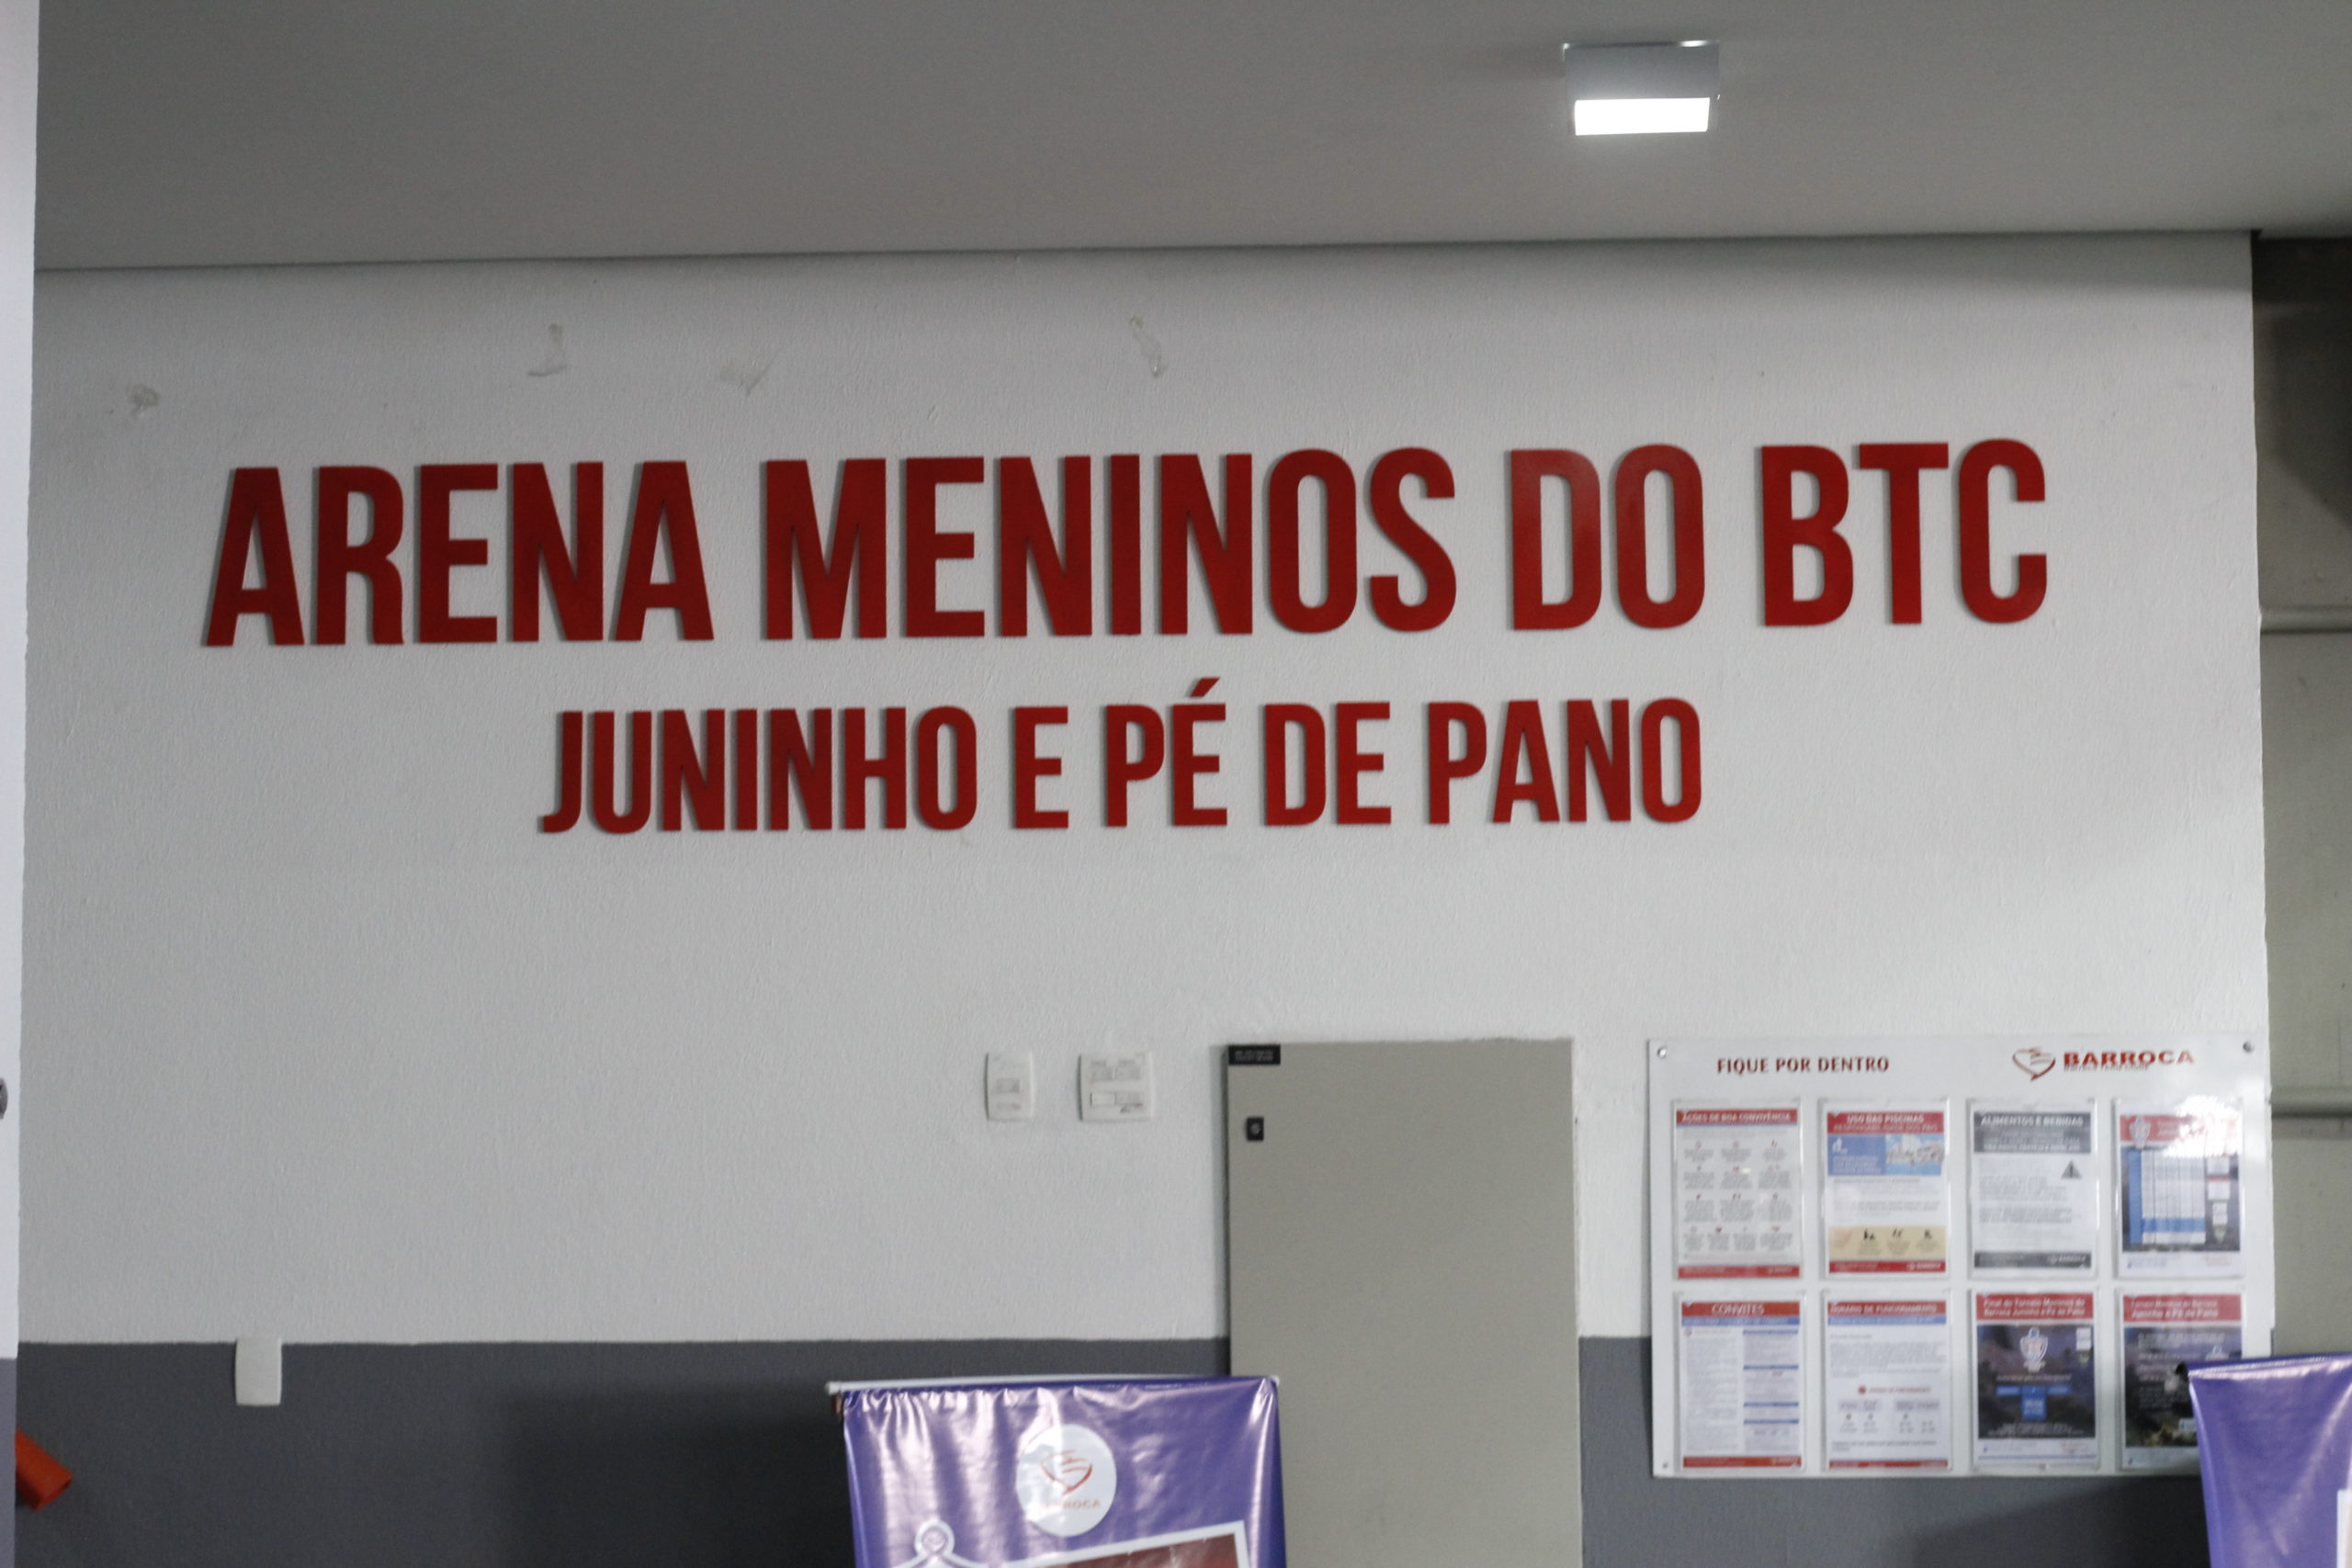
(728, 1455)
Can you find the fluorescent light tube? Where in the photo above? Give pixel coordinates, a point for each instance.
(1641, 116)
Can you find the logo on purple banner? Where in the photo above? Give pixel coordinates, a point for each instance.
(1174, 1472)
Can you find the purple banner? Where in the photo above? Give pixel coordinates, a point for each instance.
(2275, 1439)
(1172, 1472)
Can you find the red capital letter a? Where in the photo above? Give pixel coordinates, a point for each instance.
(256, 514)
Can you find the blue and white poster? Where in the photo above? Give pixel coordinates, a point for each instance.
(1178, 1472)
(2184, 1206)
(1883, 1199)
(2275, 1436)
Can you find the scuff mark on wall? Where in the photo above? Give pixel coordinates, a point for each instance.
(1152, 354)
(743, 377)
(555, 363)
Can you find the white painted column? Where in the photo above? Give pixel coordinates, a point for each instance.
(19, 76)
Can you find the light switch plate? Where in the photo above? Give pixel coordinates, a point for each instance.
(1011, 1085)
(1115, 1086)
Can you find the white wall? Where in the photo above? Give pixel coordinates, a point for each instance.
(328, 1042)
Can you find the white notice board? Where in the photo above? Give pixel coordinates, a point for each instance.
(1953, 1257)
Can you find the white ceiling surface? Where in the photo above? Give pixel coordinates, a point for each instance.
(297, 130)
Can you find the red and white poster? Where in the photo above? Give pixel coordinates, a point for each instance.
(1887, 1382)
(1737, 1174)
(1742, 1405)
(1886, 1205)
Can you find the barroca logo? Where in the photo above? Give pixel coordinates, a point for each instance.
(2034, 1062)
(1065, 1478)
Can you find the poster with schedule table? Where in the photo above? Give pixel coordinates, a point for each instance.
(2183, 1207)
(1736, 1170)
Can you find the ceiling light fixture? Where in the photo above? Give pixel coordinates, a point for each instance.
(1636, 89)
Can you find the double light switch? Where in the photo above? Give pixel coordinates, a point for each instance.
(1115, 1086)
(1112, 1086)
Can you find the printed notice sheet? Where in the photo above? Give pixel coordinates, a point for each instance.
(1743, 1385)
(1887, 1403)
(2033, 1189)
(2184, 1208)
(2163, 1335)
(1735, 1173)
(2036, 1395)
(1884, 1197)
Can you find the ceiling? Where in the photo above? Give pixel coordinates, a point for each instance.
(336, 130)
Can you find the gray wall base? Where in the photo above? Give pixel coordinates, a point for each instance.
(581, 1456)
(479, 1456)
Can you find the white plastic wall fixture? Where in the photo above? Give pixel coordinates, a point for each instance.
(261, 1371)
